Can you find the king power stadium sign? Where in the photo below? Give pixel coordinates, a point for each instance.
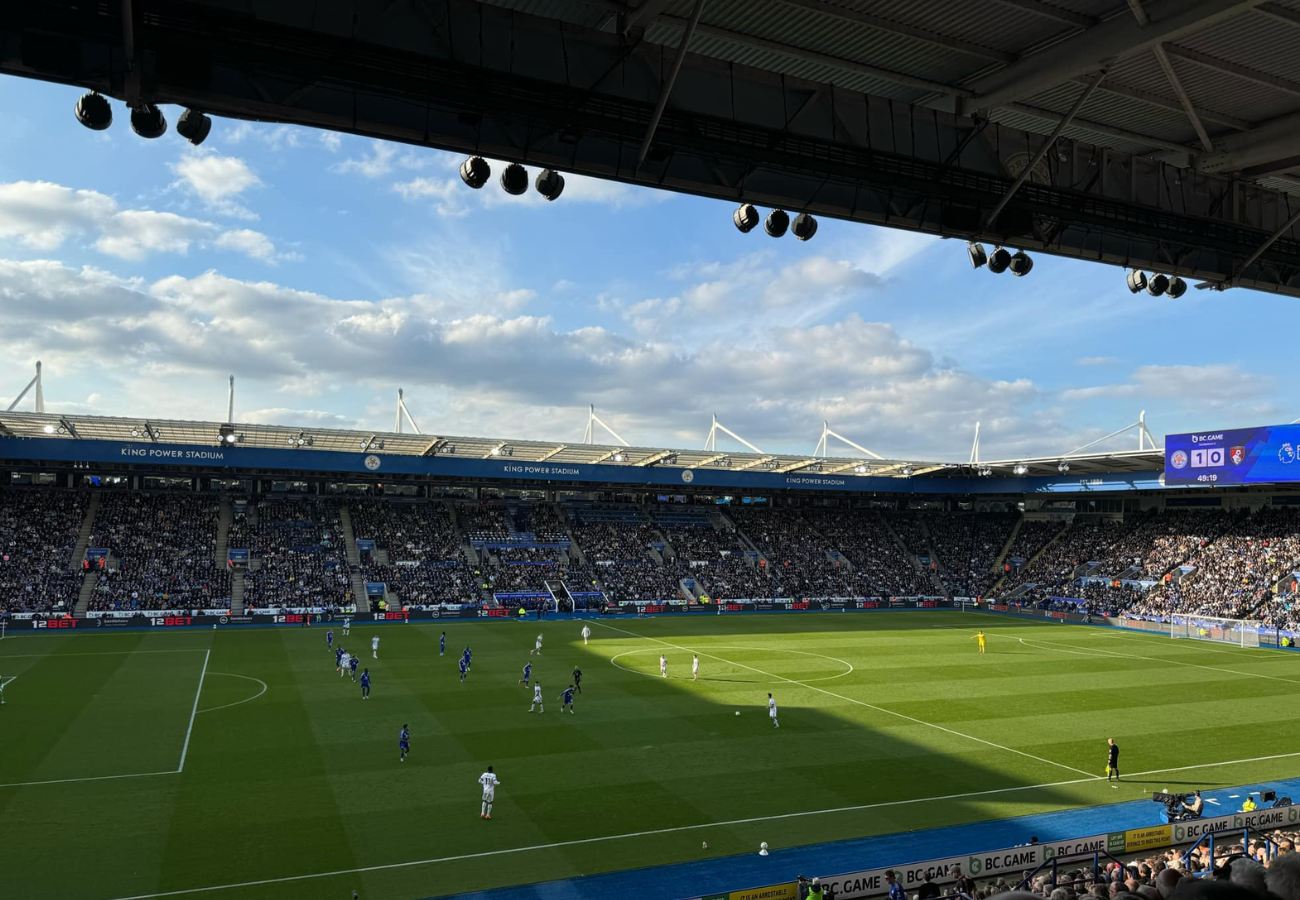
(1016, 861)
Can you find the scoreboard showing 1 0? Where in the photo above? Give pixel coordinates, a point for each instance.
(1264, 455)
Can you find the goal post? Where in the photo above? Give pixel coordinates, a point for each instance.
(1240, 632)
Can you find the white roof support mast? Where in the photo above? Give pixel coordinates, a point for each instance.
(403, 412)
(711, 442)
(1140, 426)
(230, 402)
(594, 420)
(40, 395)
(823, 446)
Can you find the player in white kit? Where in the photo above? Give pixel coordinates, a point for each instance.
(537, 699)
(537, 648)
(347, 624)
(771, 710)
(586, 633)
(344, 661)
(374, 646)
(489, 782)
(695, 669)
(663, 666)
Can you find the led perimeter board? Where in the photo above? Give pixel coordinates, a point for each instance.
(1264, 455)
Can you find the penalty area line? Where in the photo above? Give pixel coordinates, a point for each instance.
(486, 854)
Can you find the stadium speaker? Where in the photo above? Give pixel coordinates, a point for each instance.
(148, 122)
(1021, 264)
(93, 111)
(475, 172)
(1157, 285)
(746, 218)
(1136, 281)
(976, 253)
(194, 126)
(549, 183)
(1177, 287)
(514, 180)
(999, 261)
(778, 220)
(803, 227)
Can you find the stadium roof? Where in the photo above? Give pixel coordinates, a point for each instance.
(1179, 119)
(275, 437)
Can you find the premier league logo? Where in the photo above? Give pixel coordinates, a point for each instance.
(1178, 459)
(1237, 454)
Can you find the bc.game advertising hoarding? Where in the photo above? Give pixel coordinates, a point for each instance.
(1265, 455)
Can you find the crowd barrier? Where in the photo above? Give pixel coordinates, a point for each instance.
(1018, 860)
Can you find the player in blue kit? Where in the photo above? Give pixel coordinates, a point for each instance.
(468, 656)
(353, 665)
(442, 644)
(338, 658)
(567, 697)
(404, 742)
(528, 673)
(329, 639)
(365, 685)
(464, 668)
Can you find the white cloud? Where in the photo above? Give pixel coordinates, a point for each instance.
(1096, 361)
(135, 233)
(444, 195)
(378, 162)
(218, 181)
(276, 137)
(1217, 386)
(42, 215)
(282, 415)
(252, 244)
(331, 141)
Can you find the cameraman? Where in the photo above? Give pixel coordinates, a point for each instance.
(1193, 806)
(810, 889)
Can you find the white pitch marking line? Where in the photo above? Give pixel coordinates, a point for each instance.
(658, 831)
(858, 702)
(194, 712)
(89, 778)
(1174, 662)
(96, 653)
(237, 702)
(848, 671)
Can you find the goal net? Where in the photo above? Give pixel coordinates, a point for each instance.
(1241, 632)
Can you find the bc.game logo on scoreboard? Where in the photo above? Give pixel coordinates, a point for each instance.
(1233, 456)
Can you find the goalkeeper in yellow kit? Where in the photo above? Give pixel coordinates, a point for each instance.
(979, 636)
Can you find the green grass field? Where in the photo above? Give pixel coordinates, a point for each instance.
(889, 722)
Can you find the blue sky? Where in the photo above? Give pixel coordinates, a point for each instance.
(326, 271)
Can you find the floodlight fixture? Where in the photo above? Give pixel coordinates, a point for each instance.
(978, 257)
(746, 218)
(803, 227)
(148, 121)
(549, 183)
(999, 260)
(907, 471)
(475, 172)
(194, 126)
(1177, 287)
(1157, 285)
(1063, 467)
(514, 180)
(1020, 469)
(48, 429)
(1021, 264)
(93, 111)
(776, 223)
(1137, 281)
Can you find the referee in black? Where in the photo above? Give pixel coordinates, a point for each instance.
(1112, 760)
(577, 679)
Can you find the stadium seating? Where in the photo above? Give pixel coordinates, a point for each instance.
(161, 550)
(38, 532)
(162, 553)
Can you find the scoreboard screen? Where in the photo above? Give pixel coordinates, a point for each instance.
(1263, 455)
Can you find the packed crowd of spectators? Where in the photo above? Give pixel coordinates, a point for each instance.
(647, 580)
(1033, 536)
(700, 543)
(484, 522)
(1151, 545)
(38, 532)
(1085, 540)
(609, 541)
(429, 584)
(298, 545)
(1234, 872)
(541, 520)
(880, 567)
(163, 553)
(967, 545)
(408, 531)
(796, 553)
(737, 577)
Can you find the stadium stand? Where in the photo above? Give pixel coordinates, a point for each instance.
(297, 553)
(38, 533)
(967, 545)
(161, 553)
(881, 567)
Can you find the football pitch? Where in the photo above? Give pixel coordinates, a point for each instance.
(236, 764)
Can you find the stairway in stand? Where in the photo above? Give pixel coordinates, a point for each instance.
(91, 577)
